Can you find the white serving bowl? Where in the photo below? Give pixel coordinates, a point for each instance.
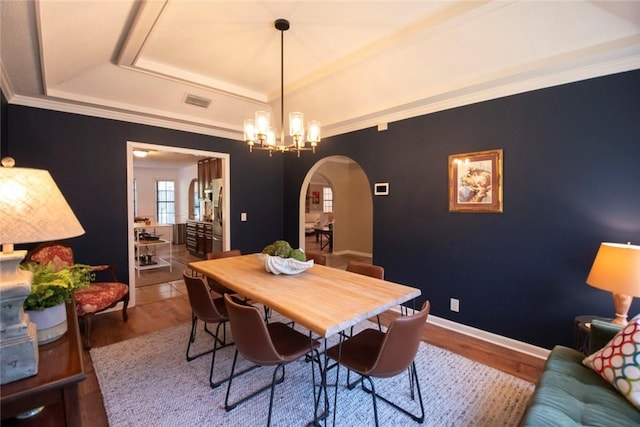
(279, 265)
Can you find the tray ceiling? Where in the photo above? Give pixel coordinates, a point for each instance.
(349, 64)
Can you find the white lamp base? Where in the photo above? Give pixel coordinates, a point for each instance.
(19, 356)
(18, 336)
(622, 303)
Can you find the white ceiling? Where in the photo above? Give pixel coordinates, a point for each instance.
(169, 159)
(349, 64)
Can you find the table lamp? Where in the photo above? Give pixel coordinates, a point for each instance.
(32, 209)
(617, 269)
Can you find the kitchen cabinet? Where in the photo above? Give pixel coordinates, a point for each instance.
(199, 238)
(208, 170)
(191, 238)
(202, 249)
(215, 168)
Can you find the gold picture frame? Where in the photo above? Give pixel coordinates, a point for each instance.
(475, 182)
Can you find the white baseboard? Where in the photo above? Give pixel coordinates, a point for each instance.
(515, 345)
(505, 342)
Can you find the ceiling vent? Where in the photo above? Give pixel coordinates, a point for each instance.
(198, 101)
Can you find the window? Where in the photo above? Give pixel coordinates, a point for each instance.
(166, 202)
(327, 199)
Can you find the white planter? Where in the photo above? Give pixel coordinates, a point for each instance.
(278, 265)
(51, 323)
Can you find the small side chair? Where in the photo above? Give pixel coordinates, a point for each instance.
(375, 354)
(208, 309)
(273, 344)
(366, 269)
(98, 297)
(215, 286)
(317, 257)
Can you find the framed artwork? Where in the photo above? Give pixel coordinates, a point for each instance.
(475, 182)
(315, 197)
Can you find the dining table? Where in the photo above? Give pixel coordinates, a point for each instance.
(325, 300)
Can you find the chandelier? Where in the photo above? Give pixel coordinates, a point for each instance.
(258, 132)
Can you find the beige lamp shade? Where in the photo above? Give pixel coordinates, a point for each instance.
(616, 269)
(32, 208)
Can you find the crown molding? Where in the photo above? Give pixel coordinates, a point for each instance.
(5, 84)
(474, 92)
(485, 91)
(131, 117)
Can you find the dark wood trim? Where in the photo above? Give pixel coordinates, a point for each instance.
(60, 369)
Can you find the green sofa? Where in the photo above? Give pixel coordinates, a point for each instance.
(571, 394)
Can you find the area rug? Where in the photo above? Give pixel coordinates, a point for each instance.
(147, 381)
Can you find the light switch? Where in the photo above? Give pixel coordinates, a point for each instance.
(243, 216)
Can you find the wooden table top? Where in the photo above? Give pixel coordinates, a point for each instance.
(323, 299)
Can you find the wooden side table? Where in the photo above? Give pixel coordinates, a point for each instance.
(60, 369)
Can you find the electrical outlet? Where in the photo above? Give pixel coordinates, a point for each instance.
(454, 305)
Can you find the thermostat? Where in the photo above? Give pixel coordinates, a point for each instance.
(381, 189)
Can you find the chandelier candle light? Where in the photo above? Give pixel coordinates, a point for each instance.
(259, 130)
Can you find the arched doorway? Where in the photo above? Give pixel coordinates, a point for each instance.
(353, 205)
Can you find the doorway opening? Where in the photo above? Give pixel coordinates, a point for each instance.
(167, 157)
(352, 205)
(319, 216)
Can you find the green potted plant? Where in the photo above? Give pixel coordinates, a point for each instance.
(50, 289)
(281, 258)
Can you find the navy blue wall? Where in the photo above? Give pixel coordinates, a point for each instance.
(86, 156)
(571, 181)
(571, 178)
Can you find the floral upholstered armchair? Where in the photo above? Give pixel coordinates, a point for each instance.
(98, 297)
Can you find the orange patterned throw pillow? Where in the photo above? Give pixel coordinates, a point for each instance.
(618, 362)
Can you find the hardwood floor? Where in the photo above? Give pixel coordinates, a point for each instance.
(165, 305)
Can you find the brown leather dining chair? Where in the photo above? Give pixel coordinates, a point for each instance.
(221, 289)
(209, 308)
(213, 285)
(376, 272)
(317, 257)
(375, 354)
(272, 344)
(366, 269)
